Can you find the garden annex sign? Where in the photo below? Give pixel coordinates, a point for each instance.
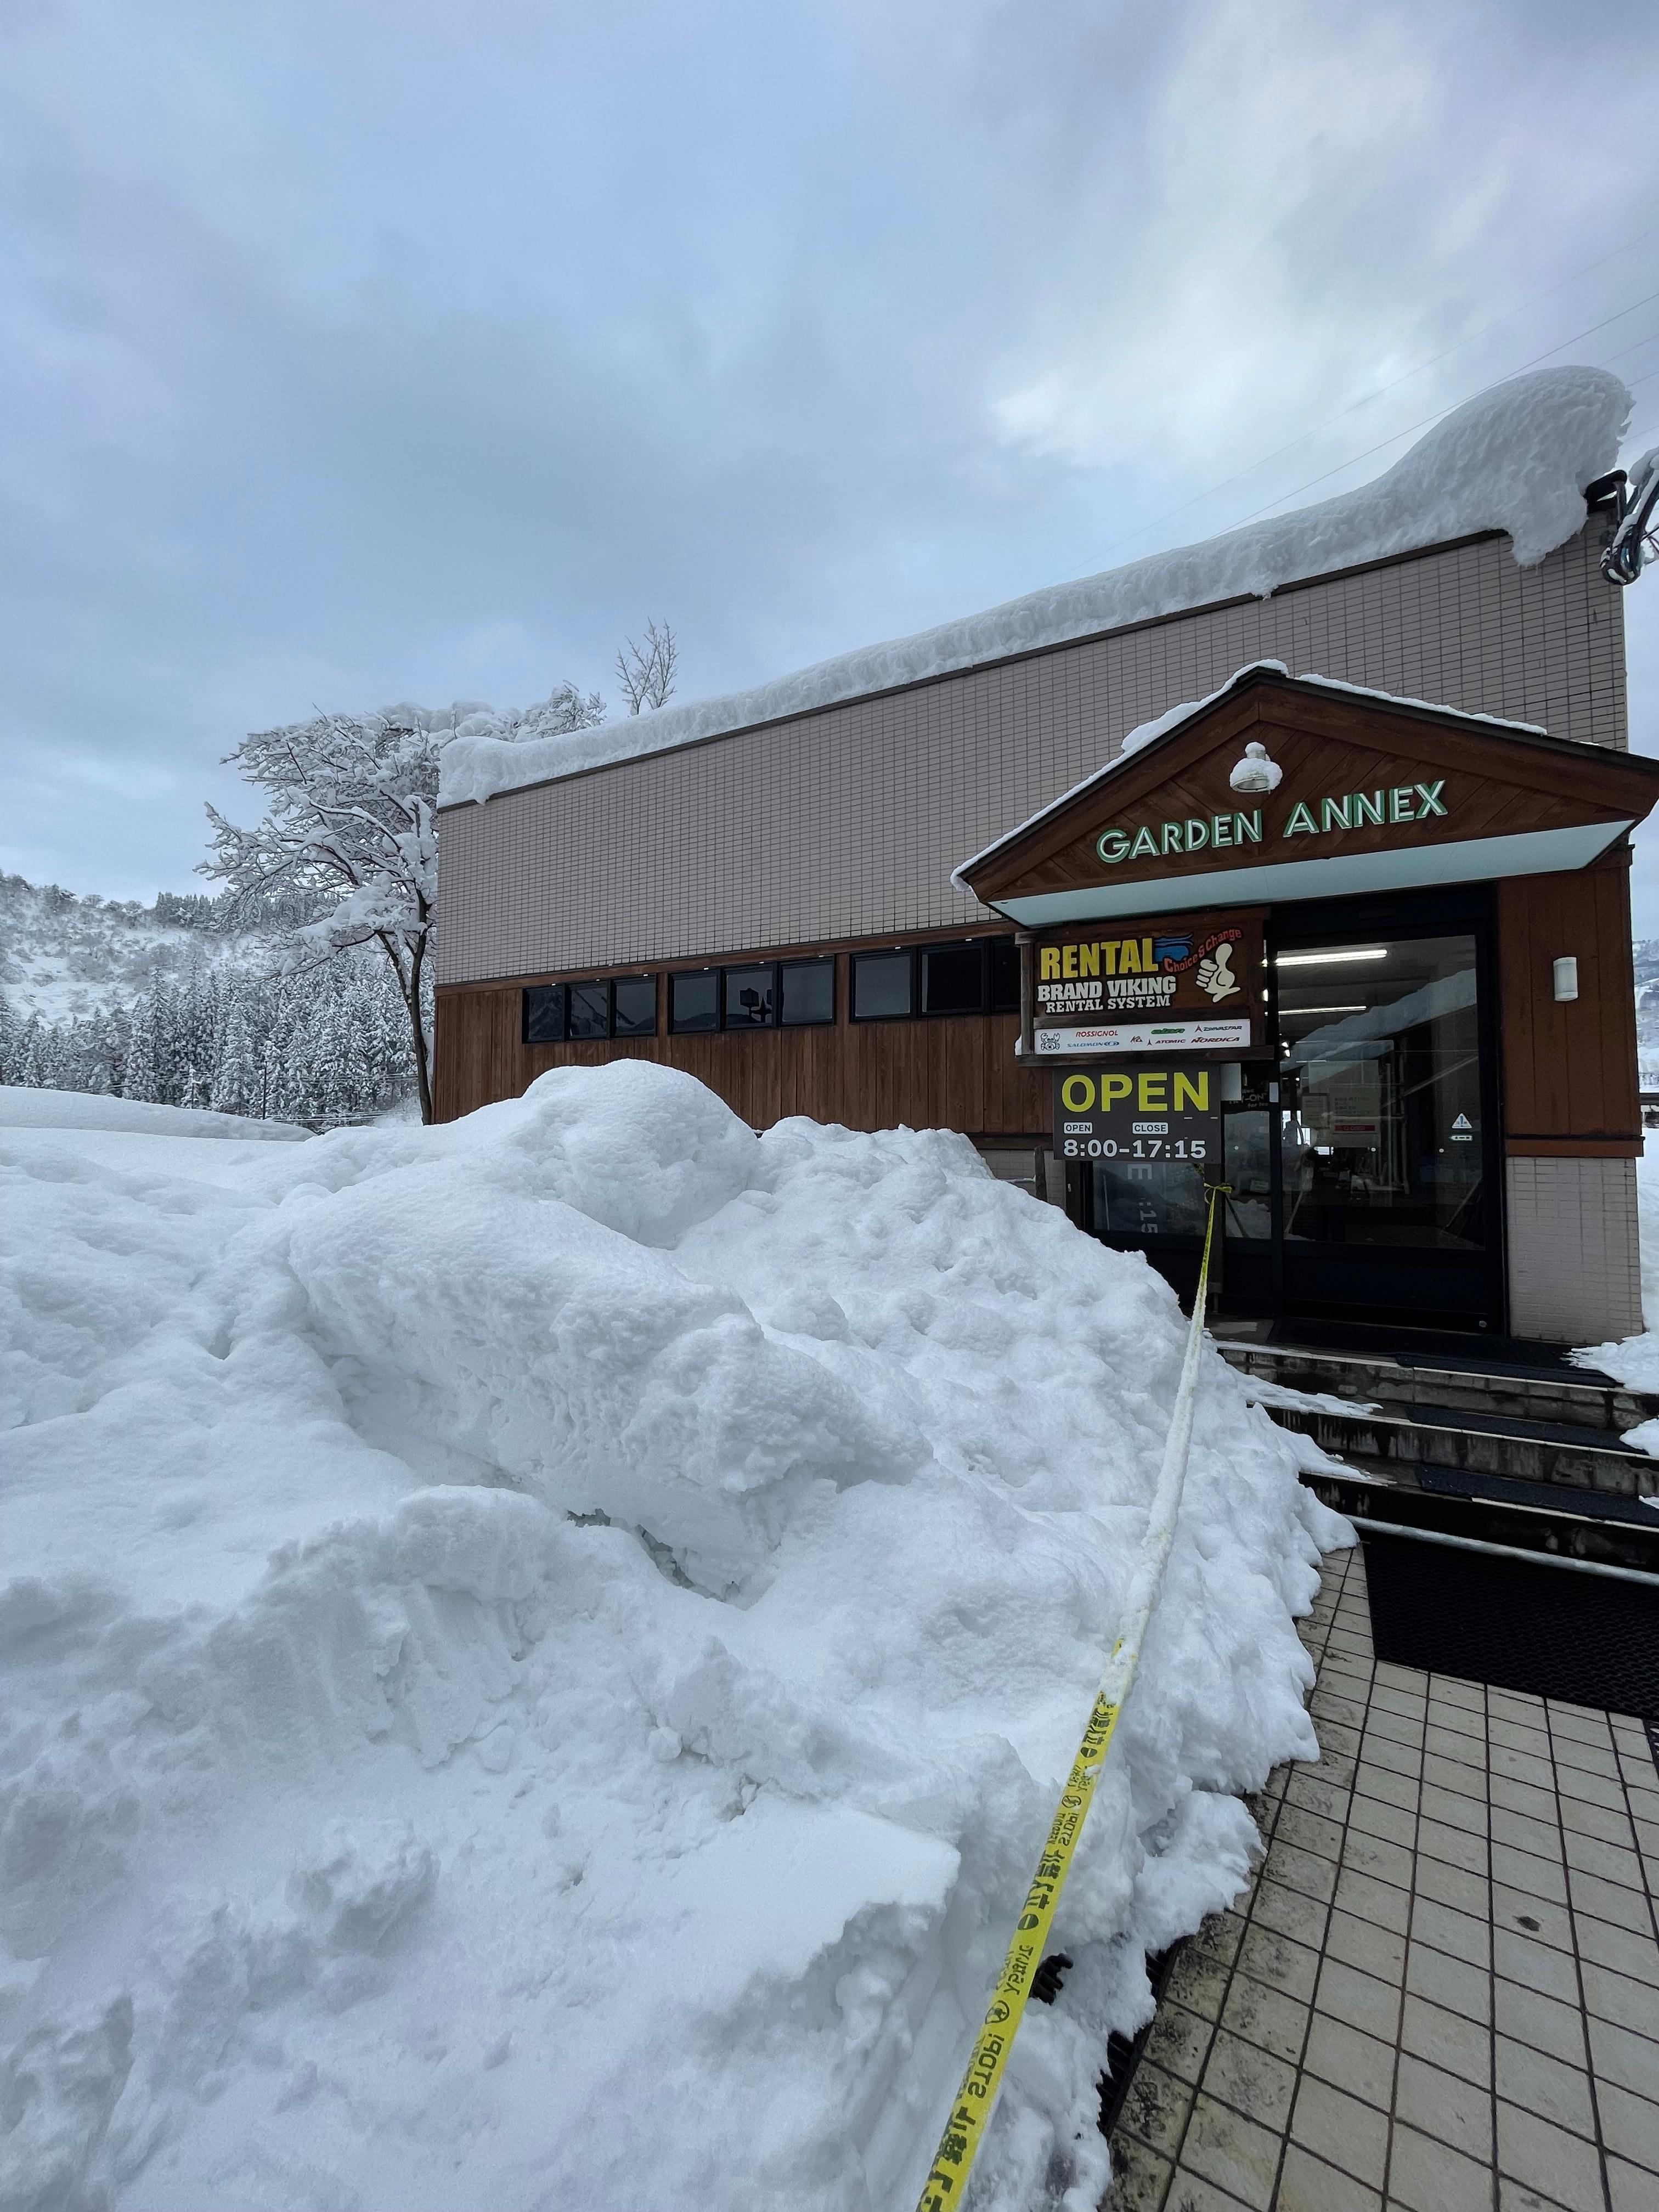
(1396, 804)
(1280, 787)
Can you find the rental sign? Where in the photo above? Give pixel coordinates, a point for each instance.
(1194, 985)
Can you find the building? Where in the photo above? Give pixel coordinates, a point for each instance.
(1368, 898)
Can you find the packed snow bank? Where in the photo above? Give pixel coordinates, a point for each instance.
(1517, 459)
(539, 1652)
(1635, 1361)
(21, 1108)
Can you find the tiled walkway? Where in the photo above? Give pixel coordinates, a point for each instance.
(1442, 1991)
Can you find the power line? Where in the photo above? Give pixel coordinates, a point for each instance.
(1440, 413)
(1366, 398)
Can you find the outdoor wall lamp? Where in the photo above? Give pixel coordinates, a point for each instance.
(1566, 976)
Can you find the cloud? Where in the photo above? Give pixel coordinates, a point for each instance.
(371, 353)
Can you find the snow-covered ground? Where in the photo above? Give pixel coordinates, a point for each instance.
(1635, 1362)
(538, 1653)
(24, 1109)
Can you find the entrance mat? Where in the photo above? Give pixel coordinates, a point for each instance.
(1553, 1496)
(1451, 1353)
(1545, 1631)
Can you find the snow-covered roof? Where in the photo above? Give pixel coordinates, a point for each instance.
(1166, 724)
(1514, 460)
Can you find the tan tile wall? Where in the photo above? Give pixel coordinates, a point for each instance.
(1575, 1263)
(847, 823)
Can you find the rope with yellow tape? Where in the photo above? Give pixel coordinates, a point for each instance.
(976, 2100)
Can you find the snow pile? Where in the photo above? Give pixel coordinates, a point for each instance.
(1635, 1361)
(538, 1653)
(1517, 459)
(24, 1109)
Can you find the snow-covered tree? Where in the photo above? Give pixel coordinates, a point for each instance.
(349, 802)
(348, 825)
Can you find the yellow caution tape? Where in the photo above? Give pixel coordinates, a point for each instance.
(971, 2114)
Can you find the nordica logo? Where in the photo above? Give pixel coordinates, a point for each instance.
(1395, 807)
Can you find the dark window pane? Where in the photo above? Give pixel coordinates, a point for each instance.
(953, 979)
(1158, 1197)
(808, 992)
(1380, 1093)
(881, 985)
(636, 1006)
(694, 1000)
(590, 1009)
(1005, 976)
(543, 1014)
(750, 997)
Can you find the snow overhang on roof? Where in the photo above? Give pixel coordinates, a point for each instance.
(1516, 459)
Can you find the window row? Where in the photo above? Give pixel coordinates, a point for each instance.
(624, 1007)
(979, 975)
(763, 994)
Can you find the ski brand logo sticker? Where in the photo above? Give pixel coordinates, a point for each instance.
(1143, 1036)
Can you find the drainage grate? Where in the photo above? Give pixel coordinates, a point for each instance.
(1123, 2051)
(1543, 1630)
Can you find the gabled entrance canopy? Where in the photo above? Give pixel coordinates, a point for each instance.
(1281, 788)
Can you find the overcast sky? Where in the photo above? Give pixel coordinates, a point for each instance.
(361, 352)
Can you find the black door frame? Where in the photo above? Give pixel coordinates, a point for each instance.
(1253, 1279)
(1452, 910)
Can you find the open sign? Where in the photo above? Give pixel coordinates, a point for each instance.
(1150, 1112)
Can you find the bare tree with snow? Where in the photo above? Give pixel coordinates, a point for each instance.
(645, 672)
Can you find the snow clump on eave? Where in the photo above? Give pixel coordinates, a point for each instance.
(1517, 459)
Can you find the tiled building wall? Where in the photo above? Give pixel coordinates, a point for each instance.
(1575, 1266)
(847, 823)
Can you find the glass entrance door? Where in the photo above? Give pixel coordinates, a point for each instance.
(1361, 1145)
(1387, 1204)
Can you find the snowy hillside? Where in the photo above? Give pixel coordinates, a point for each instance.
(538, 1653)
(166, 1004)
(63, 956)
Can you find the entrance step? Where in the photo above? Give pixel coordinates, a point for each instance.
(1592, 1459)
(1574, 1397)
(1520, 1516)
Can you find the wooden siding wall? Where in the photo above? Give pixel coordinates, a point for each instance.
(946, 1070)
(1569, 1075)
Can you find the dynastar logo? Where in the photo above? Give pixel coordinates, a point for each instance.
(1395, 807)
